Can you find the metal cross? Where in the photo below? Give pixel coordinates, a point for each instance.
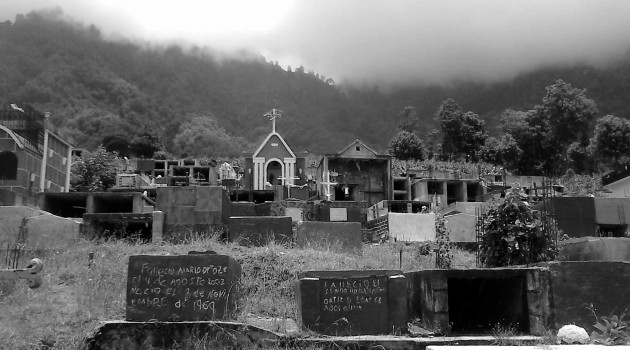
(327, 183)
(273, 114)
(288, 184)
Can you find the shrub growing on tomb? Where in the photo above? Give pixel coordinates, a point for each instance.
(515, 234)
(443, 253)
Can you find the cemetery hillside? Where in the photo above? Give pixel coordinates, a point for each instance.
(170, 196)
(103, 91)
(86, 285)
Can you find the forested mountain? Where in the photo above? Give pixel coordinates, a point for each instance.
(98, 89)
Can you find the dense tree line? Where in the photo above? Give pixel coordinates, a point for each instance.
(124, 95)
(565, 131)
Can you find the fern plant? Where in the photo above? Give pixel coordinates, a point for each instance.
(611, 330)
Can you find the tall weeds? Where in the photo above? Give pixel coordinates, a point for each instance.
(78, 291)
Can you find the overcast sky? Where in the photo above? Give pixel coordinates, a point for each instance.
(374, 41)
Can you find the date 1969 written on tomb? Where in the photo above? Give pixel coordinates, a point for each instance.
(197, 288)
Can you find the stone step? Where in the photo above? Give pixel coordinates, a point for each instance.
(386, 342)
(163, 335)
(528, 347)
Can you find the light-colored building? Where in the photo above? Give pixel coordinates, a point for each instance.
(274, 170)
(33, 158)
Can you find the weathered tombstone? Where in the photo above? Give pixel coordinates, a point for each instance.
(352, 302)
(194, 287)
(334, 236)
(338, 214)
(260, 230)
(296, 214)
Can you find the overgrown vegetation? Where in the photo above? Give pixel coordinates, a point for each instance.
(564, 132)
(610, 330)
(515, 234)
(94, 171)
(443, 251)
(76, 294)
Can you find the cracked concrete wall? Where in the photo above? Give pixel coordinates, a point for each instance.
(42, 230)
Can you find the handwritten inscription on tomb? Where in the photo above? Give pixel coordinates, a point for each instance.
(177, 288)
(353, 294)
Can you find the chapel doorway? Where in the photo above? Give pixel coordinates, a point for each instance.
(274, 173)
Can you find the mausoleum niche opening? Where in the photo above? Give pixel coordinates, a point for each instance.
(478, 305)
(435, 187)
(346, 192)
(9, 164)
(474, 192)
(274, 173)
(612, 230)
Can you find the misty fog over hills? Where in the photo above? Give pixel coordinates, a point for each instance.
(96, 88)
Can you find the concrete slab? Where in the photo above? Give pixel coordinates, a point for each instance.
(461, 227)
(260, 230)
(11, 220)
(334, 236)
(412, 227)
(527, 347)
(46, 232)
(578, 283)
(114, 335)
(222, 334)
(595, 249)
(391, 342)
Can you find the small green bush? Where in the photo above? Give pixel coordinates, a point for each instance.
(515, 234)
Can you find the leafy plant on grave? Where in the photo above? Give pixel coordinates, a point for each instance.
(515, 234)
(610, 330)
(443, 253)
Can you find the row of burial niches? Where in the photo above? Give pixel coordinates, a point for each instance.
(453, 302)
(529, 300)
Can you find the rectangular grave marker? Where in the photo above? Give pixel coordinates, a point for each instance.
(352, 302)
(333, 236)
(260, 230)
(192, 287)
(338, 214)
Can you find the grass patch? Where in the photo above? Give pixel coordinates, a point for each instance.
(77, 293)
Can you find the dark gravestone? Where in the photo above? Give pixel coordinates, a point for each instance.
(334, 236)
(352, 302)
(260, 230)
(193, 287)
(263, 209)
(243, 209)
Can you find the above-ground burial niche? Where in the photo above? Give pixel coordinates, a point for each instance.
(194, 287)
(352, 302)
(475, 301)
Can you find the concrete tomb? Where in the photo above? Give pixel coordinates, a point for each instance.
(260, 230)
(334, 236)
(473, 301)
(199, 207)
(531, 299)
(243, 209)
(576, 284)
(461, 227)
(352, 302)
(194, 287)
(595, 249)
